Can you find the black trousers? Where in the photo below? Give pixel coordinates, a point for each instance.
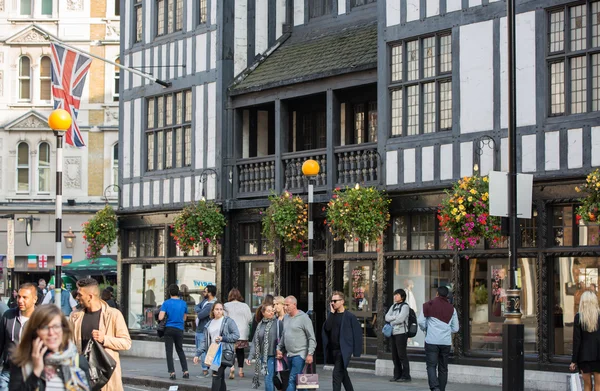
(218, 379)
(399, 356)
(436, 357)
(240, 357)
(340, 373)
(174, 336)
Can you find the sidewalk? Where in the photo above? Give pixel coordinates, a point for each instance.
(153, 373)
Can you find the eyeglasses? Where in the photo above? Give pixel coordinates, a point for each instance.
(335, 300)
(56, 328)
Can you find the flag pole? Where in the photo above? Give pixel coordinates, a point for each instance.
(132, 70)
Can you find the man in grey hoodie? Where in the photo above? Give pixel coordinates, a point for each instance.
(298, 340)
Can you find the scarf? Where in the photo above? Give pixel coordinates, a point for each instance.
(260, 363)
(439, 308)
(74, 378)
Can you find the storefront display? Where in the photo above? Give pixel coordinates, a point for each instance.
(192, 278)
(146, 293)
(259, 282)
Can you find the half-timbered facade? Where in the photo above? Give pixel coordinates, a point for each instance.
(405, 95)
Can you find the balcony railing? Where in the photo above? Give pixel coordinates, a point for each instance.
(255, 177)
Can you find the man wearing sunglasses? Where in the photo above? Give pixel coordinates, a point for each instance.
(341, 339)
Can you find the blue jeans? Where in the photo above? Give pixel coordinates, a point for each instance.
(270, 373)
(4, 380)
(199, 346)
(296, 368)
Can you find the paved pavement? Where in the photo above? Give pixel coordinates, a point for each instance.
(149, 374)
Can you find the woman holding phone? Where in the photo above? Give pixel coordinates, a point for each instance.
(47, 358)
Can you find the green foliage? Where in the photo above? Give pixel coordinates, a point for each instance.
(198, 225)
(359, 213)
(285, 223)
(481, 295)
(590, 205)
(100, 231)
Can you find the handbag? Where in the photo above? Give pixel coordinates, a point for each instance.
(162, 325)
(574, 382)
(227, 356)
(387, 330)
(102, 365)
(307, 381)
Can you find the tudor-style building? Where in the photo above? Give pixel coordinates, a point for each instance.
(27, 144)
(405, 95)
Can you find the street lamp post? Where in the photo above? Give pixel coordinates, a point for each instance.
(310, 169)
(59, 121)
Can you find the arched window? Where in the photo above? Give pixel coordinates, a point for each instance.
(23, 168)
(117, 79)
(24, 78)
(45, 84)
(115, 164)
(44, 168)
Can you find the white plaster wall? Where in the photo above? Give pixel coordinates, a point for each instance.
(427, 164)
(595, 146)
(240, 36)
(125, 196)
(575, 149)
(552, 151)
(188, 47)
(213, 50)
(156, 192)
(392, 12)
(453, 5)
(166, 191)
(137, 135)
(261, 37)
(211, 141)
(126, 162)
(341, 7)
(146, 196)
(135, 190)
(298, 12)
(409, 165)
(213, 12)
(201, 53)
(187, 189)
(190, 13)
(432, 8)
(474, 3)
(128, 11)
(466, 159)
(486, 160)
(526, 85)
(176, 190)
(528, 153)
(476, 77)
(199, 126)
(446, 162)
(279, 18)
(180, 59)
(391, 168)
(147, 18)
(504, 154)
(164, 61)
(413, 10)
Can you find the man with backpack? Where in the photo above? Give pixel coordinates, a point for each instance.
(67, 303)
(438, 320)
(398, 316)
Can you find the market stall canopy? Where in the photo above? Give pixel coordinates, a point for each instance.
(92, 266)
(68, 282)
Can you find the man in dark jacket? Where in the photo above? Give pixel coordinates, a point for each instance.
(341, 339)
(11, 325)
(202, 318)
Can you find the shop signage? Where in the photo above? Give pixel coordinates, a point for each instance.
(10, 253)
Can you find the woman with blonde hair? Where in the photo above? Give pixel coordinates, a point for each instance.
(47, 358)
(278, 306)
(586, 341)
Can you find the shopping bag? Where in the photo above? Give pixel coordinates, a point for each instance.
(574, 382)
(212, 352)
(216, 363)
(307, 381)
(281, 364)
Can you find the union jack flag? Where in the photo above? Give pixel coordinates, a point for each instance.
(69, 70)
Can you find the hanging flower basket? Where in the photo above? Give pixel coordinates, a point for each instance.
(464, 214)
(359, 214)
(285, 223)
(590, 204)
(100, 231)
(198, 225)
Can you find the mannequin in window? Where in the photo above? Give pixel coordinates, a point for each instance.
(410, 296)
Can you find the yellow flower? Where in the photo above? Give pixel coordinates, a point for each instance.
(454, 211)
(464, 213)
(473, 191)
(460, 200)
(577, 189)
(485, 179)
(470, 199)
(461, 207)
(458, 218)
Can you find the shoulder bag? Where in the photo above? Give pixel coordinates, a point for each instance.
(102, 365)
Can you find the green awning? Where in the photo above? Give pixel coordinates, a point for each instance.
(91, 266)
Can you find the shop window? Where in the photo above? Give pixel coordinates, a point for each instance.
(420, 278)
(146, 293)
(252, 241)
(132, 244)
(259, 277)
(562, 225)
(488, 282)
(589, 234)
(152, 243)
(359, 287)
(528, 230)
(572, 277)
(354, 246)
(364, 123)
(192, 278)
(424, 230)
(400, 233)
(197, 251)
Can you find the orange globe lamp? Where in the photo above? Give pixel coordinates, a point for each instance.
(310, 168)
(60, 120)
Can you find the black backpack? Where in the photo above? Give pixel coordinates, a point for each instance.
(411, 323)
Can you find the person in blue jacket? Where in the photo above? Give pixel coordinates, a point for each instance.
(342, 338)
(203, 310)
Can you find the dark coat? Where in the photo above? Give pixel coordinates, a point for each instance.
(10, 335)
(586, 345)
(34, 383)
(351, 342)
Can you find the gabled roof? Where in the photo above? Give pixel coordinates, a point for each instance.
(30, 35)
(313, 55)
(31, 120)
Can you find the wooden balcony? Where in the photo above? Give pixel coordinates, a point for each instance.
(257, 177)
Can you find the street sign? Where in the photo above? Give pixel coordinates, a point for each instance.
(499, 194)
(10, 239)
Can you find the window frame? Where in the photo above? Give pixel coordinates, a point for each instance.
(43, 166)
(138, 25)
(46, 79)
(403, 85)
(156, 161)
(170, 17)
(409, 220)
(23, 167)
(364, 3)
(202, 12)
(115, 163)
(24, 78)
(323, 5)
(117, 80)
(566, 56)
